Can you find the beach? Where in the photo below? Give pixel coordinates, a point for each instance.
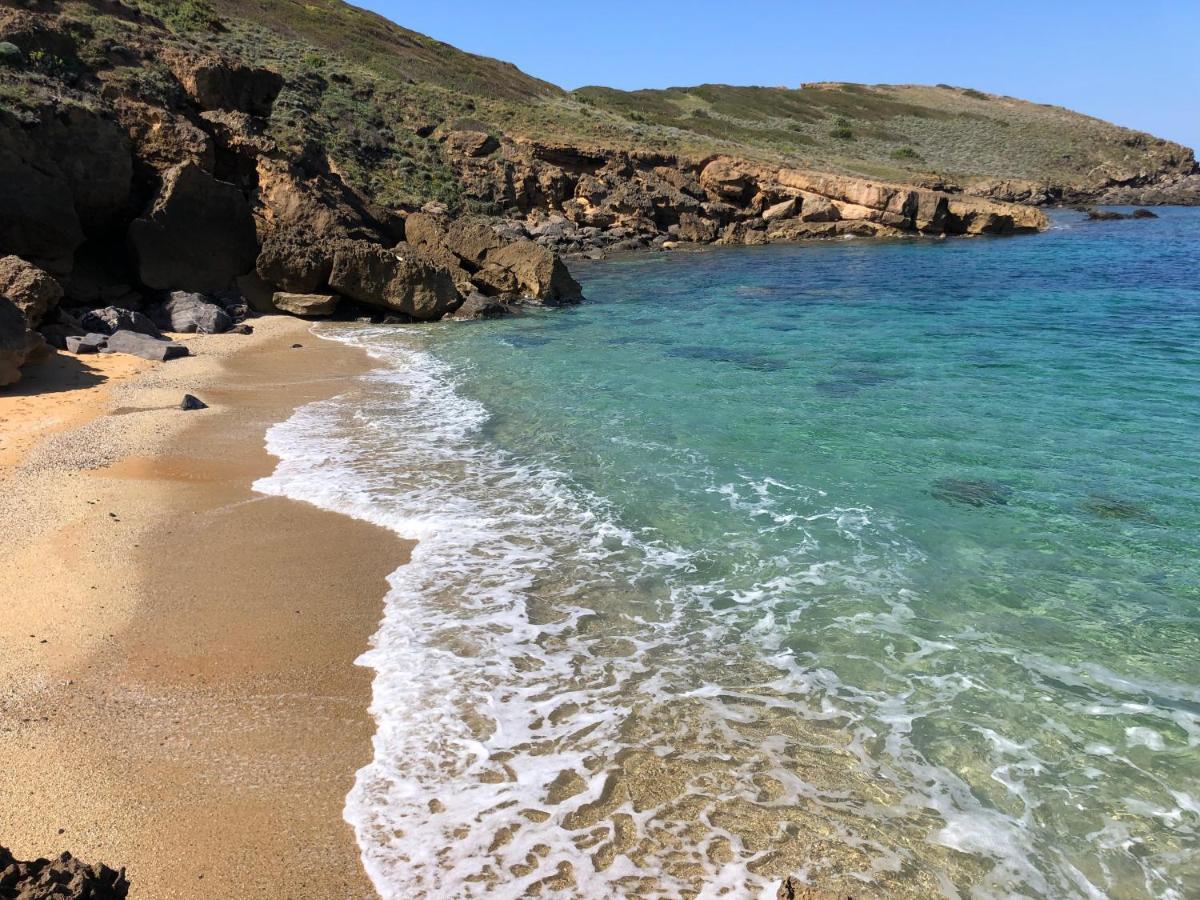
(179, 694)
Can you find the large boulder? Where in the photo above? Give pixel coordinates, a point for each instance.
(538, 273)
(217, 82)
(295, 262)
(112, 319)
(33, 291)
(187, 313)
(63, 178)
(197, 235)
(403, 280)
(974, 215)
(18, 345)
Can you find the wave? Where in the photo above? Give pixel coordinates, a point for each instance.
(569, 703)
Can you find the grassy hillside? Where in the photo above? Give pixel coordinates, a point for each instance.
(375, 97)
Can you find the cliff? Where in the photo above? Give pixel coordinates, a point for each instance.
(193, 162)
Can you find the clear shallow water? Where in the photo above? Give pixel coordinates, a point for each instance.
(875, 563)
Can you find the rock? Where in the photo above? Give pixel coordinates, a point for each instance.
(538, 273)
(63, 178)
(63, 878)
(697, 229)
(191, 403)
(33, 291)
(18, 345)
(402, 280)
(88, 343)
(1143, 214)
(143, 345)
(974, 215)
(305, 304)
(256, 293)
(471, 143)
(969, 492)
(216, 82)
(784, 210)
(294, 262)
(198, 234)
(727, 179)
(112, 318)
(480, 306)
(189, 313)
(795, 889)
(1105, 215)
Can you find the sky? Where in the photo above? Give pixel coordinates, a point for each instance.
(1133, 63)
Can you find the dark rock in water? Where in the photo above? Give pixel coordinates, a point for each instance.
(188, 313)
(971, 493)
(1143, 214)
(1111, 215)
(752, 361)
(145, 346)
(478, 306)
(112, 319)
(191, 402)
(1105, 507)
(88, 343)
(63, 878)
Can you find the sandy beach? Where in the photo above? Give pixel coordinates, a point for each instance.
(178, 692)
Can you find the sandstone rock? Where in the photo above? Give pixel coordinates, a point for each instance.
(216, 82)
(18, 345)
(319, 205)
(190, 313)
(145, 346)
(696, 229)
(305, 304)
(295, 262)
(256, 293)
(974, 215)
(815, 208)
(480, 306)
(727, 179)
(784, 210)
(163, 139)
(538, 273)
(198, 234)
(402, 280)
(471, 143)
(112, 319)
(63, 878)
(33, 291)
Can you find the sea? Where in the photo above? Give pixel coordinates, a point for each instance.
(874, 564)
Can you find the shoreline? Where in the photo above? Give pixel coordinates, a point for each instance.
(151, 717)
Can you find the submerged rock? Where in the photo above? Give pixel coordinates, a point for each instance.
(1104, 506)
(968, 492)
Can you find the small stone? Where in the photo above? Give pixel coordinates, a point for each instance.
(191, 402)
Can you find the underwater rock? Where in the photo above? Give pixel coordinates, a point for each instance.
(970, 492)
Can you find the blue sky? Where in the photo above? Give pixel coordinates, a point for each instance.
(1133, 63)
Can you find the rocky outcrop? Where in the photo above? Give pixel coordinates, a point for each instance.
(62, 878)
(217, 82)
(197, 235)
(33, 291)
(112, 319)
(401, 280)
(534, 272)
(18, 344)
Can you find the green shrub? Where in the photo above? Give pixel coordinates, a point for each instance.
(905, 153)
(974, 94)
(842, 133)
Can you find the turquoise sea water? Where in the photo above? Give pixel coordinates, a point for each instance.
(875, 563)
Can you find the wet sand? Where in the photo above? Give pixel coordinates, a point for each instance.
(178, 692)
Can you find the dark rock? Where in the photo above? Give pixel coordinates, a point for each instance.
(33, 291)
(112, 319)
(88, 343)
(18, 345)
(241, 328)
(306, 304)
(795, 889)
(188, 313)
(1105, 507)
(297, 346)
(136, 344)
(480, 306)
(1105, 215)
(198, 234)
(970, 492)
(256, 293)
(63, 878)
(1143, 214)
(191, 402)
